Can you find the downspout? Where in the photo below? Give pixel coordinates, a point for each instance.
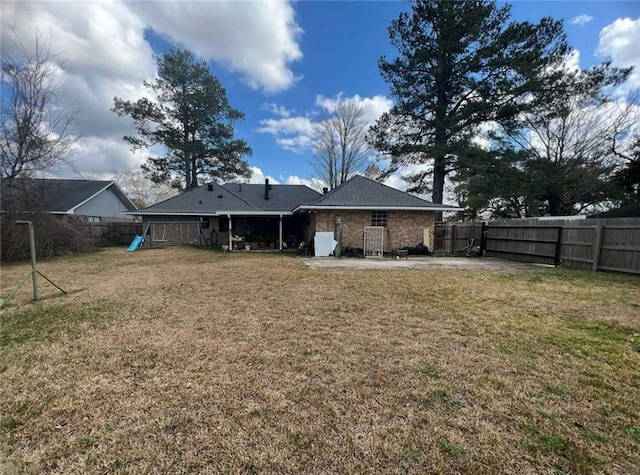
(280, 233)
(230, 234)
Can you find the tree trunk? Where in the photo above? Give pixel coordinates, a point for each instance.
(439, 174)
(438, 180)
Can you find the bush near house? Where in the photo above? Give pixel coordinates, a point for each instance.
(55, 236)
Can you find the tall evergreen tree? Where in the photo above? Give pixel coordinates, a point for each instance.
(562, 155)
(191, 119)
(459, 64)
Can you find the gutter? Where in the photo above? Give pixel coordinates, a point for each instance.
(380, 208)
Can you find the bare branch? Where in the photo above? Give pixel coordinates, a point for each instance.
(36, 130)
(340, 148)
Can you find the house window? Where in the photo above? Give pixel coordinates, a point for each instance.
(94, 219)
(378, 218)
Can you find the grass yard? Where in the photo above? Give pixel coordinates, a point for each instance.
(187, 361)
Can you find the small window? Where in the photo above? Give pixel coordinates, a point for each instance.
(378, 218)
(94, 219)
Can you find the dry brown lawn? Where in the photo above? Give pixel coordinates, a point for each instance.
(188, 361)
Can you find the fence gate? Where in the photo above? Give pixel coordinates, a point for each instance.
(374, 241)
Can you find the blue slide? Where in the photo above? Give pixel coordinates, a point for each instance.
(135, 244)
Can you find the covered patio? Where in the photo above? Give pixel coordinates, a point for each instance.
(251, 232)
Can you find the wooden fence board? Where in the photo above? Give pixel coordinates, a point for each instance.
(607, 244)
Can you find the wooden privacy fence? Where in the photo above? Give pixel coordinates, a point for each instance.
(612, 245)
(451, 239)
(115, 233)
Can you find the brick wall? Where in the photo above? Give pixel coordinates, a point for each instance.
(404, 228)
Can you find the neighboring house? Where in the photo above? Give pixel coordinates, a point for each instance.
(627, 211)
(96, 200)
(289, 214)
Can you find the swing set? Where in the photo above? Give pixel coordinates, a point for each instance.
(174, 233)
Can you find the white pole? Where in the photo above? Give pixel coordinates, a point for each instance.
(280, 232)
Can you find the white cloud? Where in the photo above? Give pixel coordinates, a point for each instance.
(258, 176)
(373, 107)
(313, 183)
(295, 134)
(95, 155)
(105, 54)
(256, 39)
(290, 133)
(619, 41)
(581, 19)
(286, 126)
(275, 109)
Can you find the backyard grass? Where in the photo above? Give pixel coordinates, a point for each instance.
(187, 361)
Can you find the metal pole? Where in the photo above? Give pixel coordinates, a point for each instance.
(34, 267)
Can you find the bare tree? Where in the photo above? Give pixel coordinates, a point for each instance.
(340, 147)
(572, 150)
(140, 189)
(35, 129)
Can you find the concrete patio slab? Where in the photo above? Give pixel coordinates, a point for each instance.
(412, 263)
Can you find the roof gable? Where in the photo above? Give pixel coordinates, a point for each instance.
(361, 192)
(59, 195)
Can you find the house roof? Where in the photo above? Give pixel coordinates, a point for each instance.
(363, 193)
(58, 195)
(233, 198)
(281, 197)
(628, 211)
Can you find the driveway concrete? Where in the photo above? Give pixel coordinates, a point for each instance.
(412, 263)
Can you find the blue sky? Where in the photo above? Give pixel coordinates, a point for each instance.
(279, 61)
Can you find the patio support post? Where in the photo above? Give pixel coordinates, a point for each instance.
(280, 233)
(230, 234)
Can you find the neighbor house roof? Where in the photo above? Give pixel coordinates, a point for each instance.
(58, 196)
(628, 211)
(363, 193)
(234, 198)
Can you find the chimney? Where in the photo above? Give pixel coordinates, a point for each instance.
(266, 188)
(325, 190)
(210, 186)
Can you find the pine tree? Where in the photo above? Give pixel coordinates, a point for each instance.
(459, 65)
(191, 119)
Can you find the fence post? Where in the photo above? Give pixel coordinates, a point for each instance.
(454, 239)
(597, 246)
(483, 238)
(556, 257)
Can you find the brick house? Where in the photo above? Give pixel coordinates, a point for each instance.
(360, 203)
(246, 215)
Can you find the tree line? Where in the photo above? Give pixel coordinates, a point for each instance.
(485, 107)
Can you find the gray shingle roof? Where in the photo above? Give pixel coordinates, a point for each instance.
(57, 195)
(201, 201)
(234, 198)
(361, 192)
(358, 192)
(281, 197)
